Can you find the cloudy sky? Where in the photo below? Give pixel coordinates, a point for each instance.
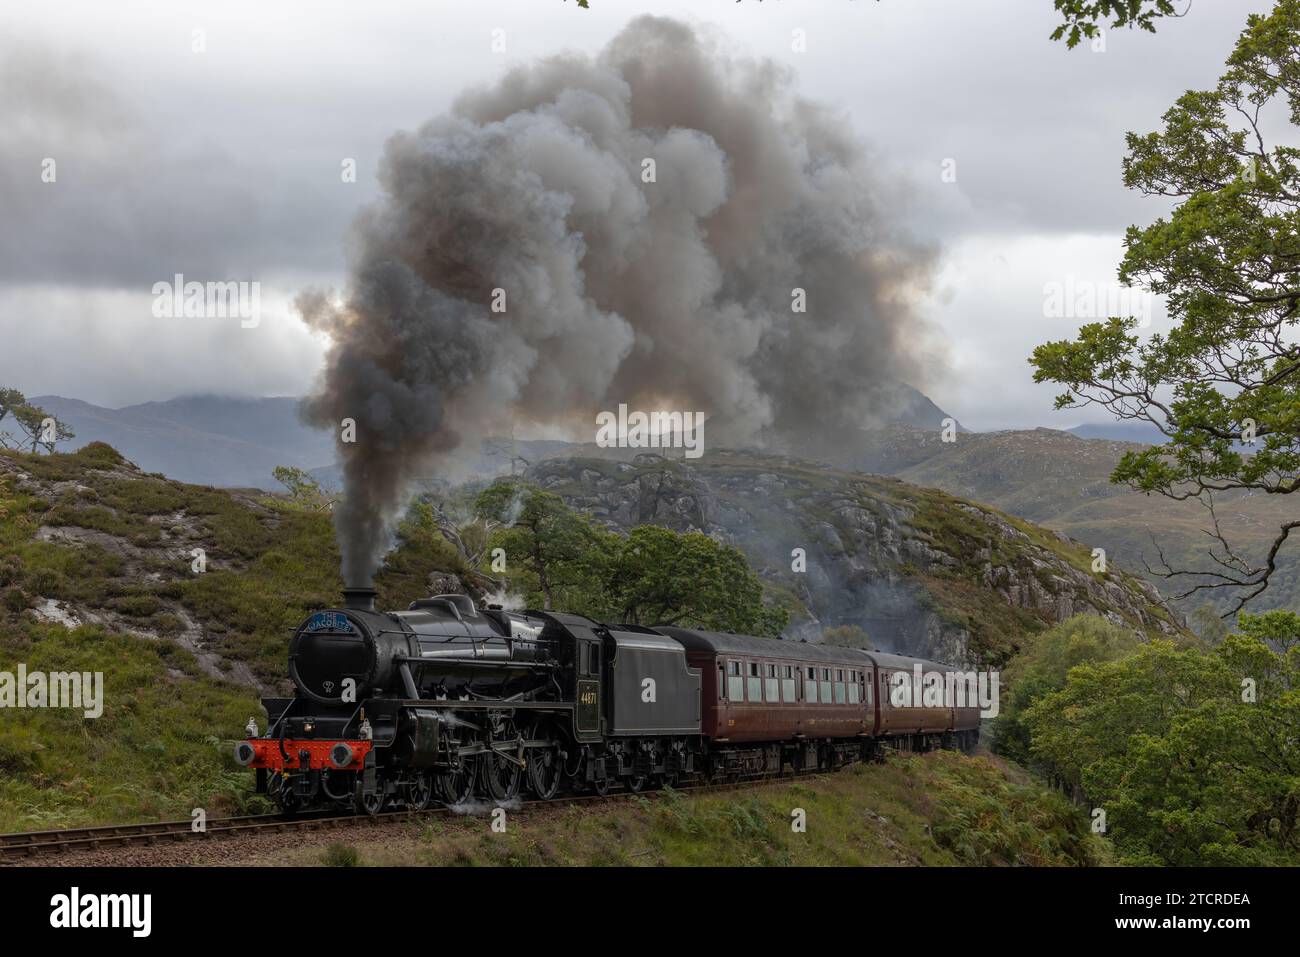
(224, 163)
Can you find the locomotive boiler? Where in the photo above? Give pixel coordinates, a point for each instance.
(446, 701)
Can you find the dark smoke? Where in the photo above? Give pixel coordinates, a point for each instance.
(674, 294)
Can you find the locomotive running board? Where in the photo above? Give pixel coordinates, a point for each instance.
(436, 703)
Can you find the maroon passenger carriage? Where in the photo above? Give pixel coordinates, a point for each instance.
(769, 704)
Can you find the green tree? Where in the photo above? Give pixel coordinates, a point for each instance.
(550, 550)
(1041, 669)
(1207, 624)
(653, 575)
(39, 429)
(846, 636)
(1084, 18)
(304, 491)
(1193, 755)
(658, 576)
(425, 551)
(1223, 386)
(10, 399)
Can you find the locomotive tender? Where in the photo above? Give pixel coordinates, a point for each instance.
(447, 701)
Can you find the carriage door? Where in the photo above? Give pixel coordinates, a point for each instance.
(587, 719)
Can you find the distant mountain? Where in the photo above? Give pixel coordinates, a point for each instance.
(231, 442)
(206, 440)
(1143, 433)
(495, 457)
(914, 409)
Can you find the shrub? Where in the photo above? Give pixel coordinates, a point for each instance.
(341, 855)
(15, 600)
(137, 606)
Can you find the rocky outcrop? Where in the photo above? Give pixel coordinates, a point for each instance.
(918, 570)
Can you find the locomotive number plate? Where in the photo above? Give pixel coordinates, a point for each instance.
(588, 706)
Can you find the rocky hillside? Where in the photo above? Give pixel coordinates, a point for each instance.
(1061, 481)
(918, 570)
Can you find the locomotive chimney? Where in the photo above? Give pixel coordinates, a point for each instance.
(359, 599)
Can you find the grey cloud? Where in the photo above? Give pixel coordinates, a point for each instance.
(137, 200)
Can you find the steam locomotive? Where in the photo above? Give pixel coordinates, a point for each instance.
(450, 702)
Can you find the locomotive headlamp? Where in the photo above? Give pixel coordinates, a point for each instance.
(341, 755)
(244, 753)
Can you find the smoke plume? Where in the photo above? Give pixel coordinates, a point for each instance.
(664, 288)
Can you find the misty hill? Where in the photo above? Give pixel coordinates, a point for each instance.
(207, 440)
(1143, 433)
(912, 408)
(1062, 481)
(237, 442)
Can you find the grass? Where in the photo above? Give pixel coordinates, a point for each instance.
(251, 610)
(941, 809)
(156, 752)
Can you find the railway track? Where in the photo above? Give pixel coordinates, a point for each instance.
(37, 843)
(51, 843)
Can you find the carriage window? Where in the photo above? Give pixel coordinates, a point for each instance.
(772, 689)
(825, 692)
(810, 686)
(854, 696)
(755, 683)
(839, 685)
(735, 682)
(787, 683)
(722, 682)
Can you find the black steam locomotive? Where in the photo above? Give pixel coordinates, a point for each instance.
(447, 702)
